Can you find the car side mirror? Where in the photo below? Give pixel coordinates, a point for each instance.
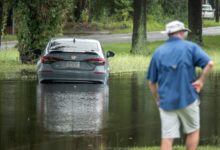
(110, 54)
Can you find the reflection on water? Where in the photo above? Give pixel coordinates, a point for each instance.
(87, 116)
(71, 108)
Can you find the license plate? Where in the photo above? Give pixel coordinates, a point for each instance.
(68, 65)
(72, 65)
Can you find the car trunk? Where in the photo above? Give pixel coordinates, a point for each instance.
(73, 60)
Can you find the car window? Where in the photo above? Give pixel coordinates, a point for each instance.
(71, 46)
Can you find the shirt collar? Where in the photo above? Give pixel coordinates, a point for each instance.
(173, 38)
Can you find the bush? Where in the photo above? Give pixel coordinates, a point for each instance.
(36, 22)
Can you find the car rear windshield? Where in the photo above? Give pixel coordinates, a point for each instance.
(71, 46)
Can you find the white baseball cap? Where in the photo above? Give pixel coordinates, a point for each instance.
(175, 26)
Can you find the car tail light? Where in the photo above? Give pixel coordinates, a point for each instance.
(50, 59)
(96, 61)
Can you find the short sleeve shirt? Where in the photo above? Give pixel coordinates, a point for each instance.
(173, 67)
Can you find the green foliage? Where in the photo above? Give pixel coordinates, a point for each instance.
(154, 24)
(114, 26)
(123, 9)
(37, 21)
(3, 20)
(175, 9)
(105, 11)
(85, 16)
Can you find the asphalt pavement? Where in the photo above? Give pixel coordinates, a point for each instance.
(121, 38)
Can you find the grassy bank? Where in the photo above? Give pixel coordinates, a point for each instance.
(9, 38)
(175, 148)
(11, 67)
(123, 62)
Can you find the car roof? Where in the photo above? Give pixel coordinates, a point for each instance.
(68, 39)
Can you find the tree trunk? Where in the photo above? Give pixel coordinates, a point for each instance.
(1, 19)
(80, 6)
(139, 27)
(195, 20)
(216, 10)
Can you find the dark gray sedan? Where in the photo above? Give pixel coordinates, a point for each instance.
(74, 60)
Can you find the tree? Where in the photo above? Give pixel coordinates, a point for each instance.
(217, 10)
(139, 27)
(1, 19)
(175, 9)
(81, 5)
(122, 9)
(36, 22)
(195, 20)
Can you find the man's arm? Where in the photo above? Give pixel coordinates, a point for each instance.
(153, 89)
(198, 84)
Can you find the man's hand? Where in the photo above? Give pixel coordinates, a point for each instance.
(153, 89)
(158, 101)
(198, 85)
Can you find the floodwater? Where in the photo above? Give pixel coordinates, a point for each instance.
(86, 116)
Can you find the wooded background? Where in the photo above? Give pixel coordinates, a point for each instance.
(39, 20)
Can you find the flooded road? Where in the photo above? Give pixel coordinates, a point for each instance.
(87, 116)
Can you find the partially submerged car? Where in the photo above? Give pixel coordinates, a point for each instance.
(74, 60)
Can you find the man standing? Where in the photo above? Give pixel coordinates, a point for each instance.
(173, 83)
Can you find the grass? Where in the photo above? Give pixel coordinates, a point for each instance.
(11, 67)
(175, 148)
(212, 47)
(123, 62)
(8, 37)
(210, 23)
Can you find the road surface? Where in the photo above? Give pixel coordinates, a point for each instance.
(121, 38)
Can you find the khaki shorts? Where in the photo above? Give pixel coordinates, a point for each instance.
(171, 120)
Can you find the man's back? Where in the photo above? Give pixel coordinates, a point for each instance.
(174, 69)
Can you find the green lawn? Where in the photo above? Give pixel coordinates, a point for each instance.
(9, 38)
(210, 23)
(123, 62)
(175, 148)
(10, 65)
